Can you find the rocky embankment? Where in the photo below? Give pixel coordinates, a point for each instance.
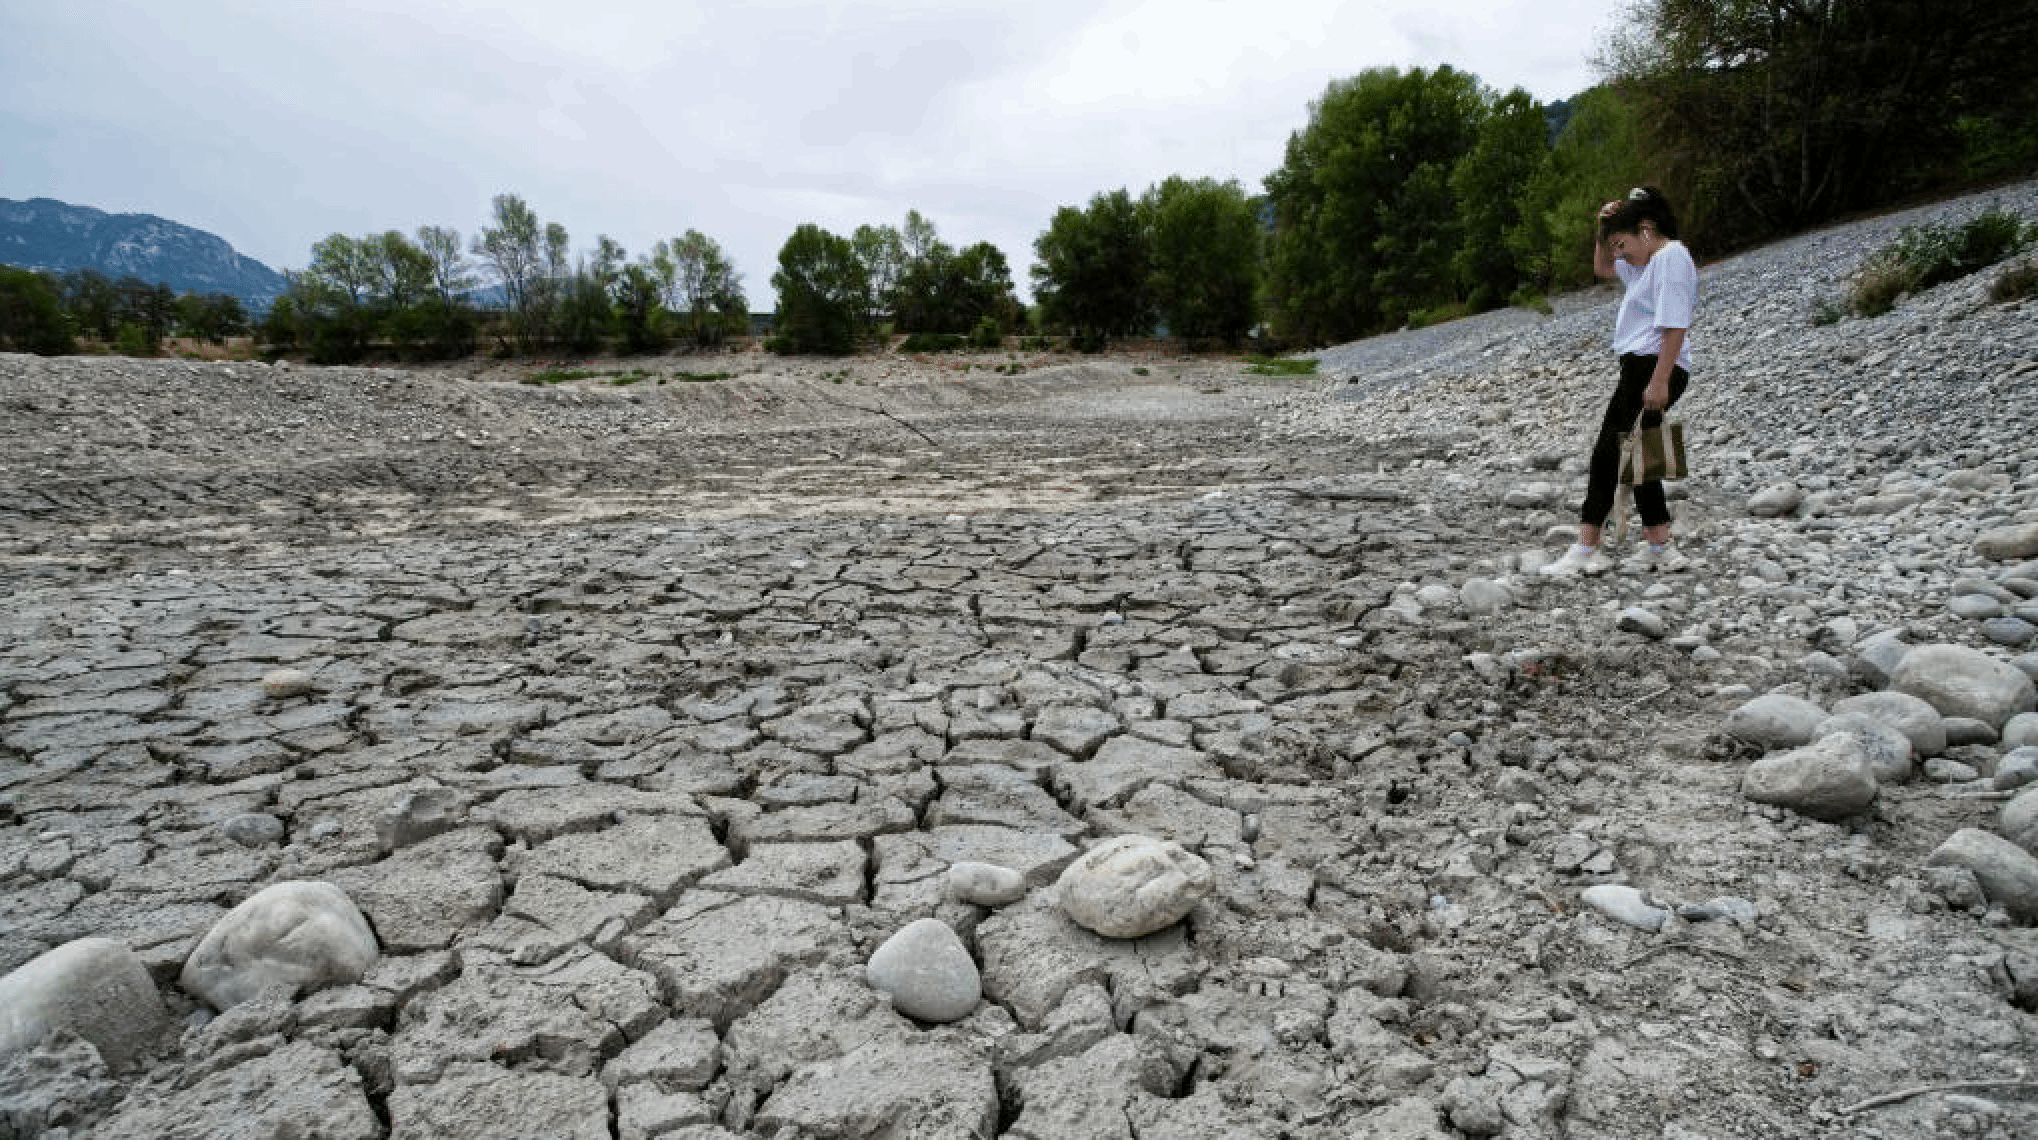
(1117, 749)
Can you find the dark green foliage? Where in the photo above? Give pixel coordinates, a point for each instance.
(933, 342)
(584, 317)
(32, 314)
(1768, 118)
(822, 294)
(1597, 156)
(1365, 225)
(1489, 185)
(1924, 256)
(211, 317)
(1203, 247)
(1091, 271)
(986, 336)
(434, 329)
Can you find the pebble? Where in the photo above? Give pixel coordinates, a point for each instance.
(1625, 904)
(282, 684)
(985, 884)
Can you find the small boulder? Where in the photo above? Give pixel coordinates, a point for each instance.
(2008, 874)
(1130, 886)
(1775, 720)
(1959, 681)
(301, 935)
(2017, 769)
(1876, 656)
(1920, 723)
(2021, 731)
(1775, 500)
(2008, 543)
(1888, 750)
(2019, 820)
(94, 988)
(927, 971)
(1829, 779)
(1484, 597)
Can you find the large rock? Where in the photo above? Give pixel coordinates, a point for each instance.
(1132, 885)
(2008, 543)
(927, 971)
(1829, 779)
(2008, 874)
(1775, 720)
(94, 988)
(1918, 721)
(1888, 749)
(1959, 681)
(303, 935)
(2021, 731)
(1775, 500)
(1878, 655)
(2019, 820)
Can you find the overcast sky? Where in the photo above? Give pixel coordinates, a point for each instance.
(273, 123)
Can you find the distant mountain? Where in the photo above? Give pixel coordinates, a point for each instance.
(42, 233)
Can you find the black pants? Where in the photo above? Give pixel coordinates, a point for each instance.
(1621, 410)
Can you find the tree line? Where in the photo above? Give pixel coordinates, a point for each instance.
(47, 313)
(433, 296)
(1407, 197)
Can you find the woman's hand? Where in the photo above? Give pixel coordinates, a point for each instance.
(1656, 396)
(1607, 210)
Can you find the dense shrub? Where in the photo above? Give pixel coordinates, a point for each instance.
(1924, 256)
(32, 314)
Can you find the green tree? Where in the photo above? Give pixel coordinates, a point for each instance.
(91, 303)
(1766, 117)
(211, 317)
(1090, 271)
(585, 317)
(882, 251)
(1204, 242)
(822, 293)
(517, 250)
(1596, 156)
(640, 311)
(452, 273)
(705, 288)
(32, 314)
(1364, 225)
(1490, 185)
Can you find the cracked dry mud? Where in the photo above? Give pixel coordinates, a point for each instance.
(707, 685)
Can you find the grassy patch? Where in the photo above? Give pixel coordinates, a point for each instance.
(2017, 283)
(1924, 256)
(559, 375)
(1279, 366)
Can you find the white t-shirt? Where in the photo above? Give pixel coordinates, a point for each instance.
(1661, 295)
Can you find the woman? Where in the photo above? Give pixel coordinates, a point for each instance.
(1638, 243)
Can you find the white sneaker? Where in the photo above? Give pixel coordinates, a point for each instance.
(1666, 559)
(1589, 561)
